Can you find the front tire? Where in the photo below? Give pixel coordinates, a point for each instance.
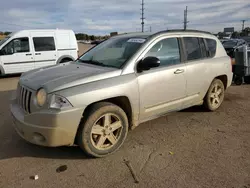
(215, 95)
(103, 131)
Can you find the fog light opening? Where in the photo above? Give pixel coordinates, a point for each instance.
(38, 137)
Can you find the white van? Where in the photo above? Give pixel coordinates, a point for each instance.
(30, 49)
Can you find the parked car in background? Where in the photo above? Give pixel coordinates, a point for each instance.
(247, 39)
(118, 84)
(30, 49)
(233, 44)
(224, 40)
(96, 42)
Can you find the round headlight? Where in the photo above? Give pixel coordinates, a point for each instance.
(41, 97)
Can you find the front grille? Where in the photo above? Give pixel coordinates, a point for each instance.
(24, 98)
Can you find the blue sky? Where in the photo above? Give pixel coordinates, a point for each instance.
(104, 16)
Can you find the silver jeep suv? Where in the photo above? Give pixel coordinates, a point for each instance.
(115, 86)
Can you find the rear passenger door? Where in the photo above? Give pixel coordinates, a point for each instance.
(44, 50)
(198, 69)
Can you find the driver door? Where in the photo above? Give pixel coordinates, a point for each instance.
(17, 56)
(162, 89)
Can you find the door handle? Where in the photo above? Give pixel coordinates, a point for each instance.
(28, 54)
(37, 53)
(179, 71)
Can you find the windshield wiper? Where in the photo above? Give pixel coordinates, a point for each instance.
(93, 62)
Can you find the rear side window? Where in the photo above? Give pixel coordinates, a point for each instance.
(192, 47)
(211, 45)
(44, 44)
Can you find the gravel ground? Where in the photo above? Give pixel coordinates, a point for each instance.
(191, 148)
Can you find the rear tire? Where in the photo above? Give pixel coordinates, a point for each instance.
(238, 80)
(103, 130)
(215, 95)
(247, 79)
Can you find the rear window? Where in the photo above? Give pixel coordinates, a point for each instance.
(44, 44)
(211, 45)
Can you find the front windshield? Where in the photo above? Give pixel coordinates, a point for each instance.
(113, 52)
(4, 40)
(230, 43)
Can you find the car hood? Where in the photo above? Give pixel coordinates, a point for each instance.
(66, 75)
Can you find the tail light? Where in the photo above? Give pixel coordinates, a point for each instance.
(232, 63)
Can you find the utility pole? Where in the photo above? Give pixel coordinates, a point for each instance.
(150, 29)
(243, 24)
(185, 18)
(142, 16)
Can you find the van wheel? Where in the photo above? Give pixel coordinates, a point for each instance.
(103, 131)
(215, 95)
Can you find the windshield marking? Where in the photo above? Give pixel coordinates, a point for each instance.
(138, 40)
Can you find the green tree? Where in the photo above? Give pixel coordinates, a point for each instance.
(220, 35)
(7, 33)
(92, 37)
(246, 31)
(235, 34)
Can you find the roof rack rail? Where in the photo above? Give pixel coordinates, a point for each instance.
(182, 30)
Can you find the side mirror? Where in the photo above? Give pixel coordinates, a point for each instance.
(148, 63)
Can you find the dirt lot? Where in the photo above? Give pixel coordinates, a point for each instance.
(191, 148)
(83, 47)
(209, 150)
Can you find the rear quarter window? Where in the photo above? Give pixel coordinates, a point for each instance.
(211, 45)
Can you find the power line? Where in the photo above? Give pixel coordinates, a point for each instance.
(243, 24)
(142, 16)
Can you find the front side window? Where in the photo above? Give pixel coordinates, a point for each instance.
(192, 47)
(19, 45)
(44, 44)
(114, 52)
(167, 51)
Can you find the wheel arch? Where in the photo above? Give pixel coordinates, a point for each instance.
(122, 101)
(69, 57)
(224, 80)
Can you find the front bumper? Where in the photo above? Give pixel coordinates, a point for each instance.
(48, 127)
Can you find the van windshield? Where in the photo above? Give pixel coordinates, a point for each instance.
(113, 52)
(4, 40)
